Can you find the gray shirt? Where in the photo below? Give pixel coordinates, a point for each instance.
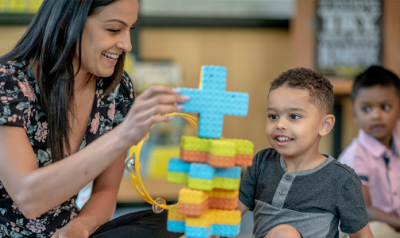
(313, 201)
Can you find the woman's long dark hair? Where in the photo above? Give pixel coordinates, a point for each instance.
(50, 41)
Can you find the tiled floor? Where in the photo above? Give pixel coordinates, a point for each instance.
(245, 227)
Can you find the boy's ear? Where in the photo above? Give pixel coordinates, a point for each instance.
(327, 125)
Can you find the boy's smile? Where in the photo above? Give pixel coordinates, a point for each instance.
(376, 110)
(294, 123)
(282, 140)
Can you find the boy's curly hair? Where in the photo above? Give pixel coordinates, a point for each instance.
(319, 87)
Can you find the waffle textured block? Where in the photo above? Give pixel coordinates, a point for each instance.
(176, 221)
(221, 153)
(212, 101)
(178, 171)
(195, 202)
(202, 176)
(213, 222)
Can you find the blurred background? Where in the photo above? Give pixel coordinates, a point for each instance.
(256, 40)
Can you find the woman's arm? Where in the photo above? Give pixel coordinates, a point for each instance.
(36, 191)
(376, 214)
(101, 206)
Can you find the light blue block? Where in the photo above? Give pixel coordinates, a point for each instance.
(198, 232)
(176, 226)
(212, 102)
(178, 165)
(201, 171)
(233, 173)
(226, 230)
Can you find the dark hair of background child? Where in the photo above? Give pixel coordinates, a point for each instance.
(373, 76)
(319, 87)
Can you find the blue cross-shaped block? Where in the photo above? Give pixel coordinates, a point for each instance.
(212, 102)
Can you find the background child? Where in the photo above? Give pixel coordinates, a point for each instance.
(292, 189)
(374, 154)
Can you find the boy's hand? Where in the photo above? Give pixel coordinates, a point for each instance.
(363, 233)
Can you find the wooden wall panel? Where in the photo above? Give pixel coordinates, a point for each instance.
(9, 37)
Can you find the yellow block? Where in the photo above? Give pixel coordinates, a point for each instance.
(190, 196)
(174, 215)
(204, 220)
(226, 217)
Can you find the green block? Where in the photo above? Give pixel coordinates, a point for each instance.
(195, 143)
(200, 184)
(176, 177)
(243, 147)
(222, 147)
(226, 183)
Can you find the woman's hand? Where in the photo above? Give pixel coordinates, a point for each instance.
(148, 109)
(74, 229)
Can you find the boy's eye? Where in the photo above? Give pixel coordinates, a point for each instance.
(294, 117)
(385, 108)
(366, 109)
(273, 117)
(113, 31)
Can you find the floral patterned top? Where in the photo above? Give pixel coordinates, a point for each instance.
(19, 106)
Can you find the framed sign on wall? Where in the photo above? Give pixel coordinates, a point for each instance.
(349, 36)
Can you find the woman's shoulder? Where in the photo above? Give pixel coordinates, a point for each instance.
(12, 67)
(14, 79)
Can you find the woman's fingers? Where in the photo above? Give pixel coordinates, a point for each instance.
(157, 110)
(162, 99)
(150, 108)
(158, 89)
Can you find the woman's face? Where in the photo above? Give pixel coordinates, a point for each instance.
(105, 36)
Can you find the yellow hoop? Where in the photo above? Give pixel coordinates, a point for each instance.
(134, 155)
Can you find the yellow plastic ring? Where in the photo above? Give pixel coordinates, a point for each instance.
(132, 164)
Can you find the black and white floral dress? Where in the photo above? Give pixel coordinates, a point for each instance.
(19, 106)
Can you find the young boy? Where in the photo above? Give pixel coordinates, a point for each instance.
(292, 189)
(374, 154)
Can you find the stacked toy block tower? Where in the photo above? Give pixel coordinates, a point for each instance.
(209, 165)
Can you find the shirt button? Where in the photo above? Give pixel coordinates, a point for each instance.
(288, 177)
(282, 192)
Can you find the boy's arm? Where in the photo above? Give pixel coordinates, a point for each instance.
(363, 233)
(376, 214)
(242, 208)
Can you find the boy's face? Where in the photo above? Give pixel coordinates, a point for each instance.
(294, 124)
(376, 110)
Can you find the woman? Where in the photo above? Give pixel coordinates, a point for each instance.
(64, 121)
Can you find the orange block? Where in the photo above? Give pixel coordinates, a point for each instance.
(223, 203)
(194, 156)
(221, 161)
(193, 209)
(244, 160)
(215, 160)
